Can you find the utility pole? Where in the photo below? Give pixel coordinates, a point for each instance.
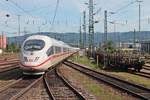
(105, 39)
(2, 40)
(134, 40)
(91, 27)
(139, 1)
(18, 28)
(115, 30)
(80, 40)
(115, 34)
(39, 29)
(25, 30)
(139, 17)
(84, 29)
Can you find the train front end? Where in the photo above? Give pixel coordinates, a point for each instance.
(33, 57)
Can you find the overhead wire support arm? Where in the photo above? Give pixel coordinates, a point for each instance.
(99, 10)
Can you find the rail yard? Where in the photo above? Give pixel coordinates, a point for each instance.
(55, 84)
(74, 50)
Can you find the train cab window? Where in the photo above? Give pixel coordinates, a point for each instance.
(50, 51)
(34, 45)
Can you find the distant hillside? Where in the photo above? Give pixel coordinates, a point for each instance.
(73, 38)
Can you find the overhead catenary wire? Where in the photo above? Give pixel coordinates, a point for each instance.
(39, 9)
(55, 13)
(18, 6)
(24, 11)
(120, 9)
(124, 7)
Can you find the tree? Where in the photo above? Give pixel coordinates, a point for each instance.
(109, 46)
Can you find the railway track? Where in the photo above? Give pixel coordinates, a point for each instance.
(54, 87)
(8, 77)
(146, 68)
(142, 74)
(17, 89)
(9, 59)
(10, 68)
(134, 89)
(59, 88)
(7, 63)
(9, 72)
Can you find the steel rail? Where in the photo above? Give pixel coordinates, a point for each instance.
(18, 95)
(62, 81)
(70, 86)
(134, 89)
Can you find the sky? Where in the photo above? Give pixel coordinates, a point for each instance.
(37, 15)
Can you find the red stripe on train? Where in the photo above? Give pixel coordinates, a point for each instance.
(50, 58)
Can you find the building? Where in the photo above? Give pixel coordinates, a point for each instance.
(126, 45)
(3, 42)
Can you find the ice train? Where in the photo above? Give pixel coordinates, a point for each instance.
(39, 53)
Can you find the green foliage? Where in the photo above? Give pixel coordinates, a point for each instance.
(109, 46)
(83, 60)
(12, 48)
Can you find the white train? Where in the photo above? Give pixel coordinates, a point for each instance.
(38, 53)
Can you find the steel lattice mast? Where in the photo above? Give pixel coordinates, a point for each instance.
(91, 26)
(84, 29)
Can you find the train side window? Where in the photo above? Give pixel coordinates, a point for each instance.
(50, 51)
(57, 49)
(64, 49)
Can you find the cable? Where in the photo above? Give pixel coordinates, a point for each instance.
(39, 9)
(125, 6)
(99, 10)
(118, 10)
(19, 7)
(55, 13)
(27, 12)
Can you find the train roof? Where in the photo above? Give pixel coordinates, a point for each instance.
(49, 40)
